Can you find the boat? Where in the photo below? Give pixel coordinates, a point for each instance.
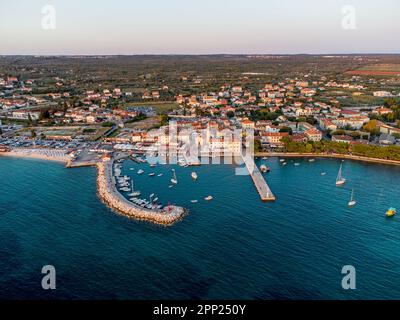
(265, 169)
(265, 158)
(282, 160)
(194, 201)
(340, 181)
(391, 212)
(194, 175)
(284, 164)
(174, 179)
(160, 175)
(297, 164)
(153, 165)
(323, 173)
(152, 174)
(155, 199)
(352, 202)
(311, 160)
(140, 171)
(209, 198)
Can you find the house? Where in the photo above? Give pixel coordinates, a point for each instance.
(342, 138)
(313, 134)
(273, 138)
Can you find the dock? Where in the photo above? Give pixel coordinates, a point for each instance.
(258, 179)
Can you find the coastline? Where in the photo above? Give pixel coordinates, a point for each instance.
(328, 155)
(109, 194)
(33, 155)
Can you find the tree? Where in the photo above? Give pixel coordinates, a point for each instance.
(286, 129)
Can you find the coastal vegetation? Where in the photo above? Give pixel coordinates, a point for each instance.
(363, 150)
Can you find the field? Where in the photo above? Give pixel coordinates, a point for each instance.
(377, 70)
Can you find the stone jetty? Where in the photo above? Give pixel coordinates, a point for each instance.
(114, 199)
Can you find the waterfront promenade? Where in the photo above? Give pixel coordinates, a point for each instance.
(111, 196)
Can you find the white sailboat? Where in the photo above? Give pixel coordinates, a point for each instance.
(340, 180)
(174, 180)
(352, 202)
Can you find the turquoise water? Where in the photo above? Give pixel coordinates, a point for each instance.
(235, 247)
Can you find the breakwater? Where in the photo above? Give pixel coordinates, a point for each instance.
(111, 196)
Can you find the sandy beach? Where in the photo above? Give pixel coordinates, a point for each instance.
(43, 154)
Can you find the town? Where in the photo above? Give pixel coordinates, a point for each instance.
(42, 110)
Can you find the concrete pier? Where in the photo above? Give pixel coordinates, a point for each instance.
(111, 196)
(258, 179)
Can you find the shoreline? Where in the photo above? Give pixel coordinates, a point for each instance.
(328, 155)
(109, 194)
(21, 155)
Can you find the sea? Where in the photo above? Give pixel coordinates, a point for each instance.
(233, 247)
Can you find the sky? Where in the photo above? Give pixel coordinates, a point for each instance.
(85, 27)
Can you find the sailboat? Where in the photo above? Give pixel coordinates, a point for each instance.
(340, 180)
(174, 180)
(134, 193)
(352, 202)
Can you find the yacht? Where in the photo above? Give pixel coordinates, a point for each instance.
(174, 179)
(340, 181)
(352, 202)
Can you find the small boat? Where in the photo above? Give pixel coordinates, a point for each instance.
(284, 164)
(153, 165)
(311, 160)
(391, 212)
(140, 171)
(155, 199)
(297, 164)
(352, 202)
(323, 173)
(171, 186)
(160, 175)
(209, 198)
(282, 160)
(265, 169)
(152, 174)
(194, 201)
(194, 175)
(265, 158)
(340, 181)
(174, 180)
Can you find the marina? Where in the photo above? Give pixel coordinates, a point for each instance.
(139, 209)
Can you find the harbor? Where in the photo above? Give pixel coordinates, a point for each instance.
(108, 192)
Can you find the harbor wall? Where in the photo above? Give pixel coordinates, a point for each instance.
(113, 198)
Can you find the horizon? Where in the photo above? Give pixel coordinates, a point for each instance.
(53, 28)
